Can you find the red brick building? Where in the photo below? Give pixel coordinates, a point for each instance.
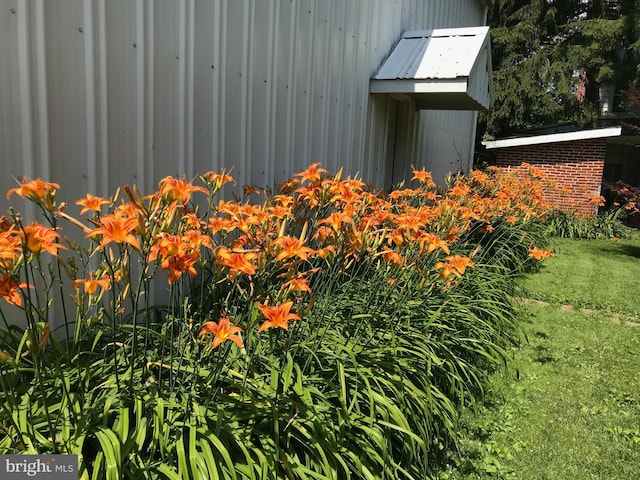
(574, 161)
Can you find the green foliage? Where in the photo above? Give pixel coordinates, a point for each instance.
(568, 405)
(542, 50)
(569, 225)
(395, 330)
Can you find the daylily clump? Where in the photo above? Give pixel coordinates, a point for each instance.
(266, 332)
(312, 221)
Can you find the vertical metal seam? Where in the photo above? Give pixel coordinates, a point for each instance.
(472, 146)
(272, 94)
(326, 107)
(189, 66)
(90, 94)
(180, 94)
(309, 85)
(103, 98)
(149, 132)
(41, 82)
(339, 108)
(364, 92)
(26, 126)
(215, 92)
(141, 174)
(291, 66)
(353, 80)
(248, 93)
(223, 82)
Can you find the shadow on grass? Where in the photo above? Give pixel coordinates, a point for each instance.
(616, 248)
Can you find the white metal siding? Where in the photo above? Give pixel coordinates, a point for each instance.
(99, 93)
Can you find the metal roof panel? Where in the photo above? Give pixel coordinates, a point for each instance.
(434, 54)
(441, 68)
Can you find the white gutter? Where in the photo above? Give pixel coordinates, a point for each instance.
(554, 138)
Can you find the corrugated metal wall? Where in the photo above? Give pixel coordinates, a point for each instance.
(99, 93)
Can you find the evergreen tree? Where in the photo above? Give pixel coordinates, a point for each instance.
(550, 58)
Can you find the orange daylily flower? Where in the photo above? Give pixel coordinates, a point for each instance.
(433, 242)
(597, 200)
(129, 210)
(178, 189)
(10, 290)
(191, 220)
(459, 190)
(460, 263)
(540, 254)
(118, 229)
(38, 237)
(91, 203)
(178, 264)
(222, 332)
(285, 201)
(288, 186)
(10, 246)
(422, 176)
(336, 219)
(312, 174)
(195, 239)
(179, 254)
(309, 195)
(392, 256)
(217, 180)
(277, 316)
(250, 190)
(292, 247)
(238, 262)
(218, 224)
(324, 252)
(398, 194)
(166, 245)
(300, 284)
(323, 233)
(446, 270)
(91, 284)
(34, 189)
(280, 212)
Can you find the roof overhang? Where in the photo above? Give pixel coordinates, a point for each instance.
(554, 138)
(447, 69)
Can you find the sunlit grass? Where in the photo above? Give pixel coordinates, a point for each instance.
(601, 274)
(569, 405)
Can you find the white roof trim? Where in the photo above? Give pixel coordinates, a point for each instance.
(554, 138)
(454, 61)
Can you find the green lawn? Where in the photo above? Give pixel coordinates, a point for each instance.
(569, 405)
(602, 274)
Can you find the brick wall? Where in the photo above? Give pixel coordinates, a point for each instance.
(575, 167)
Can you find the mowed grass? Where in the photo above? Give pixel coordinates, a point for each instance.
(601, 274)
(568, 407)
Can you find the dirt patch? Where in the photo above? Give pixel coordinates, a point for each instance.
(621, 321)
(532, 301)
(565, 307)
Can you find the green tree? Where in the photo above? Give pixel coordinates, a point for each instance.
(550, 58)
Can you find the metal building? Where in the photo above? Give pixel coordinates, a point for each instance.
(95, 94)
